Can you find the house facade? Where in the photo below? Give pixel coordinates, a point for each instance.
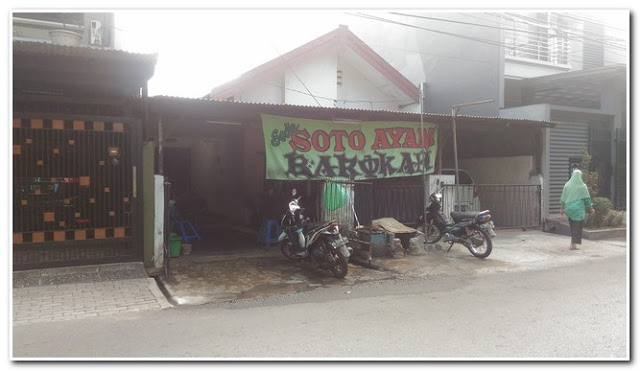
(89, 145)
(565, 67)
(335, 70)
(77, 134)
(77, 29)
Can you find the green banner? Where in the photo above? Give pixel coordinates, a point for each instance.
(302, 149)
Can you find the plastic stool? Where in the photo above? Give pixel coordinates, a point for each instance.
(269, 232)
(187, 230)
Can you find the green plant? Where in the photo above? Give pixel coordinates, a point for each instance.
(616, 218)
(601, 207)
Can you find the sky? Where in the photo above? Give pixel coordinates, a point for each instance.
(199, 50)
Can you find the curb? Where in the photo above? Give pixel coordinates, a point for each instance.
(156, 291)
(562, 228)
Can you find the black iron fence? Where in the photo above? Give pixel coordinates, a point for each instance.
(620, 199)
(401, 202)
(511, 205)
(73, 187)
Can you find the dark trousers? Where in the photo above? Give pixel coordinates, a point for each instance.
(576, 231)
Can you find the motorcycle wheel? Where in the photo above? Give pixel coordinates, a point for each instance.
(339, 266)
(480, 242)
(288, 250)
(433, 235)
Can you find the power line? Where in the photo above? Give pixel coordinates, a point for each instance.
(494, 43)
(375, 18)
(541, 23)
(566, 14)
(614, 48)
(594, 21)
(296, 75)
(334, 99)
(541, 34)
(613, 42)
(586, 52)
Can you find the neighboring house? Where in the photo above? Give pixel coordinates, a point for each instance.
(335, 70)
(78, 29)
(564, 67)
(77, 135)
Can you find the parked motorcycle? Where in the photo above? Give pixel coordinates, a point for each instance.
(322, 244)
(472, 229)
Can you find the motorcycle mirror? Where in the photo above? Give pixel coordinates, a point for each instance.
(294, 194)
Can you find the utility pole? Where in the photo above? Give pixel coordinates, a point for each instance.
(454, 111)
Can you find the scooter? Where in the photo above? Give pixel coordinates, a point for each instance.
(323, 244)
(472, 229)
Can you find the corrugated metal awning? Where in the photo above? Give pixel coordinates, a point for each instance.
(247, 112)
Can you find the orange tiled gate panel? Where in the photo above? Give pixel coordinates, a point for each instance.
(73, 187)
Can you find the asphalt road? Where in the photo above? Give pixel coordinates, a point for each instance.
(577, 312)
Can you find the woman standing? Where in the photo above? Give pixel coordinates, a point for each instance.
(575, 201)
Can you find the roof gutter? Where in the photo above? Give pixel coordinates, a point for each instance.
(49, 24)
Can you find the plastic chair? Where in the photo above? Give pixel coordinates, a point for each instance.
(187, 230)
(269, 232)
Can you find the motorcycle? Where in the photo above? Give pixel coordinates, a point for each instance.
(472, 229)
(324, 246)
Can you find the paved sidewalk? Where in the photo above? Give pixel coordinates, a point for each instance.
(58, 294)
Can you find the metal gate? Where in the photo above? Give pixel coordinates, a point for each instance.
(337, 203)
(74, 190)
(401, 202)
(600, 151)
(620, 199)
(511, 205)
(566, 140)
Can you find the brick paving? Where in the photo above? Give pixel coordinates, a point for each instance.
(60, 294)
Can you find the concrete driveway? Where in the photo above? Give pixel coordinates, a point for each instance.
(200, 279)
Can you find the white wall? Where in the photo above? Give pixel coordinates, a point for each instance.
(459, 69)
(521, 68)
(358, 92)
(501, 170)
(396, 44)
(158, 225)
(319, 75)
(270, 91)
(532, 112)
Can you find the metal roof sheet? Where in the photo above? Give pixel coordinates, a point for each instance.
(79, 51)
(246, 110)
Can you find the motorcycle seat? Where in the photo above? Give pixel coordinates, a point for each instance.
(311, 226)
(463, 215)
